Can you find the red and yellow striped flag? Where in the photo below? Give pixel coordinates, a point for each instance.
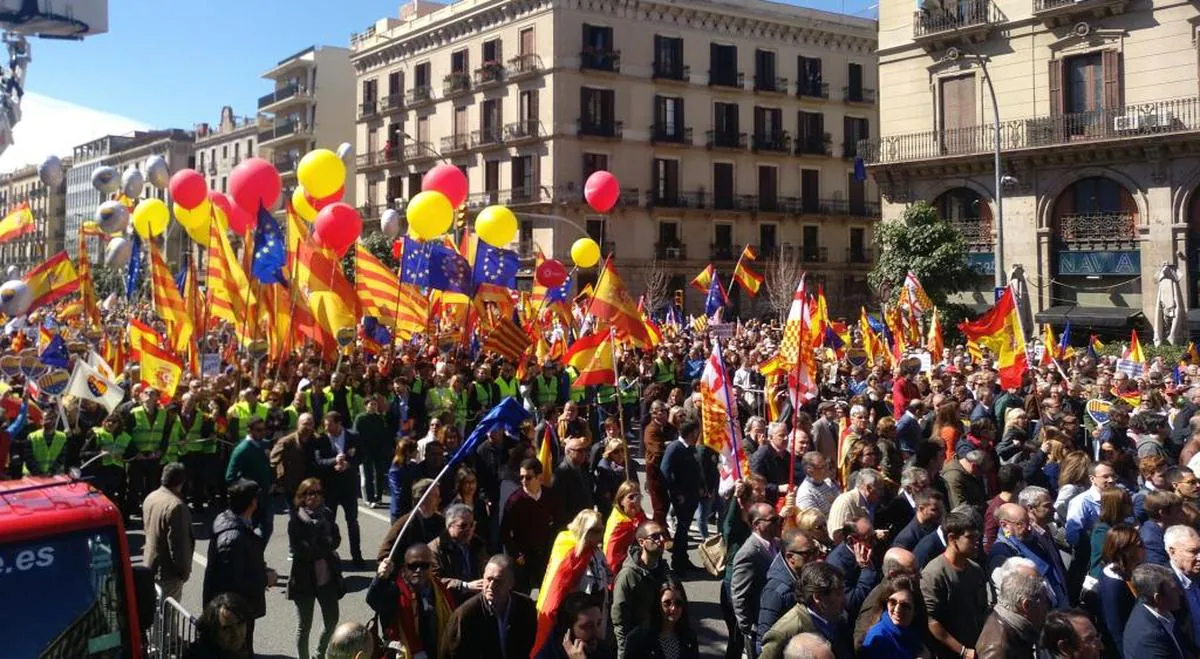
(744, 275)
(87, 290)
(592, 357)
(377, 286)
(168, 303)
(324, 289)
(229, 296)
(55, 278)
(507, 340)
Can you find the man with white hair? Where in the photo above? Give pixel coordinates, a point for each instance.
(1014, 627)
(808, 646)
(855, 503)
(1017, 538)
(772, 461)
(1183, 548)
(818, 490)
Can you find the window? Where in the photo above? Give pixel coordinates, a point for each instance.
(395, 189)
(768, 124)
(1084, 84)
(370, 91)
(668, 117)
(526, 42)
(460, 121)
(423, 129)
(224, 152)
(459, 62)
(810, 190)
(666, 181)
(489, 119)
(723, 242)
(725, 118)
(372, 193)
(723, 69)
(810, 248)
(957, 101)
(491, 51)
(855, 91)
(858, 245)
(224, 188)
(811, 129)
(668, 234)
(250, 148)
(808, 76)
(414, 183)
(764, 71)
(723, 185)
(491, 179)
(395, 83)
(529, 105)
(524, 178)
(595, 229)
(768, 188)
(858, 194)
(668, 57)
(767, 243)
(855, 129)
(597, 39)
(597, 107)
(201, 163)
(395, 134)
(421, 75)
(236, 147)
(594, 162)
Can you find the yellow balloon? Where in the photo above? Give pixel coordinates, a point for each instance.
(150, 218)
(301, 205)
(585, 253)
(496, 226)
(195, 221)
(321, 172)
(429, 214)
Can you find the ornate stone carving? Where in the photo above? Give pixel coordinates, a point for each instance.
(1169, 307)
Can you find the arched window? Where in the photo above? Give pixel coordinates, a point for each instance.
(1095, 213)
(970, 213)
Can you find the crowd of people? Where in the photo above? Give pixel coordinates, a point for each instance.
(897, 513)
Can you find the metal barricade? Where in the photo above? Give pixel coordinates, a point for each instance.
(173, 631)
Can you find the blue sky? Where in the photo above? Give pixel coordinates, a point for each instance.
(173, 63)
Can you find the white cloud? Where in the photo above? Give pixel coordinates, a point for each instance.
(50, 126)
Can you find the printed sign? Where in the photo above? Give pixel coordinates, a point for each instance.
(210, 364)
(1100, 263)
(1099, 410)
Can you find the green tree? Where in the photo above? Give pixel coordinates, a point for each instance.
(922, 242)
(378, 244)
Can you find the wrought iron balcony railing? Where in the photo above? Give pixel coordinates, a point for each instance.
(726, 78)
(662, 134)
(487, 137)
(590, 127)
(858, 95)
(524, 65)
(777, 141)
(675, 199)
(777, 204)
(600, 59)
(422, 94)
(674, 72)
(368, 109)
(954, 16)
(672, 250)
(814, 254)
(1097, 231)
(721, 252)
(454, 143)
(815, 145)
(391, 102)
(725, 139)
(525, 129)
(489, 73)
(771, 84)
(860, 255)
(812, 89)
(456, 83)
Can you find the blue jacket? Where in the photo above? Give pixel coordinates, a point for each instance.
(681, 471)
(910, 535)
(908, 433)
(929, 548)
(1145, 637)
(1156, 549)
(859, 580)
(778, 594)
(1115, 602)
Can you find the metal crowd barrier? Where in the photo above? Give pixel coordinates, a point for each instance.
(173, 631)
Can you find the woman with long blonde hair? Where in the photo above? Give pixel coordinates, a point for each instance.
(576, 564)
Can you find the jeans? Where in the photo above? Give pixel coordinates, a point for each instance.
(375, 467)
(703, 511)
(349, 503)
(328, 598)
(684, 512)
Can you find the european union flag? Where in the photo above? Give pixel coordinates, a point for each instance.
(181, 276)
(560, 293)
(55, 353)
(448, 270)
(414, 269)
(716, 297)
(270, 251)
(495, 266)
(133, 275)
(508, 413)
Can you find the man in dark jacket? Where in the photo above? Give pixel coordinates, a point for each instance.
(635, 591)
(772, 462)
(685, 485)
(1159, 599)
(334, 457)
(1014, 626)
(573, 481)
(930, 508)
(235, 555)
(964, 482)
(855, 557)
(474, 630)
(779, 592)
(459, 553)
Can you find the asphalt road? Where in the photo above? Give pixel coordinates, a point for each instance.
(275, 634)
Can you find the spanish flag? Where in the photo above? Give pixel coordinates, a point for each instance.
(1050, 347)
(140, 333)
(1134, 353)
(613, 304)
(744, 275)
(592, 356)
(17, 223)
(53, 279)
(619, 533)
(160, 370)
(563, 572)
(999, 330)
(703, 281)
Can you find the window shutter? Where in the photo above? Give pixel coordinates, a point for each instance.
(608, 109)
(714, 59)
(679, 114)
(759, 120)
(732, 117)
(1112, 79)
(1056, 92)
(848, 129)
(660, 112)
(587, 34)
(658, 51)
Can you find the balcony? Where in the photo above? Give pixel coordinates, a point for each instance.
(454, 144)
(1065, 12)
(212, 169)
(814, 254)
(721, 252)
(285, 164)
(491, 136)
(661, 134)
(370, 211)
(378, 158)
(592, 127)
(860, 255)
(770, 85)
(850, 149)
(858, 95)
(657, 199)
(368, 110)
(724, 139)
(455, 84)
(719, 78)
(777, 141)
(525, 130)
(285, 93)
(283, 130)
(477, 200)
(967, 21)
(785, 205)
(812, 89)
(1181, 115)
(391, 103)
(491, 73)
(417, 151)
(1096, 231)
(976, 231)
(600, 59)
(524, 66)
(630, 197)
(664, 72)
(845, 207)
(526, 195)
(675, 251)
(815, 145)
(418, 96)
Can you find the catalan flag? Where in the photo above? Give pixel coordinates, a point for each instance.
(999, 330)
(160, 370)
(377, 286)
(702, 281)
(744, 275)
(699, 323)
(592, 356)
(87, 289)
(17, 223)
(613, 304)
(229, 295)
(53, 279)
(507, 340)
(412, 312)
(168, 303)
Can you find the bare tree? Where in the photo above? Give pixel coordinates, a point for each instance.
(655, 281)
(782, 276)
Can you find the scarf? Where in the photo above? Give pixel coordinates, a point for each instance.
(886, 639)
(1049, 572)
(406, 627)
(1020, 624)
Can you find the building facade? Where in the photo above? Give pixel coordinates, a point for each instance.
(221, 147)
(47, 205)
(1099, 134)
(309, 107)
(726, 123)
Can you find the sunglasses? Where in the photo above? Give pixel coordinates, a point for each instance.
(524, 478)
(313, 493)
(420, 565)
(805, 553)
(657, 536)
(899, 604)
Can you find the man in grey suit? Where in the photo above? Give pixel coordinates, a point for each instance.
(825, 430)
(750, 567)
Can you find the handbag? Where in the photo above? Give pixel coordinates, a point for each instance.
(713, 554)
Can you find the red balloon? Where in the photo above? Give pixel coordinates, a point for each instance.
(318, 204)
(221, 201)
(255, 183)
(551, 273)
(337, 226)
(241, 220)
(188, 188)
(448, 180)
(602, 191)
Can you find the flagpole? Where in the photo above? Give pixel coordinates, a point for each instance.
(612, 343)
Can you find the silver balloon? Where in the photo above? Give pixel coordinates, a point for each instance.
(15, 298)
(389, 222)
(51, 171)
(132, 183)
(13, 272)
(112, 216)
(106, 180)
(117, 254)
(157, 172)
(345, 151)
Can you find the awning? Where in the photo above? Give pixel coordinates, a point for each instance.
(1111, 317)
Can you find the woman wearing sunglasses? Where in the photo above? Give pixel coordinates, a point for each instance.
(894, 636)
(316, 574)
(669, 632)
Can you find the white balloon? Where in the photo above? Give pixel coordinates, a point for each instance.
(345, 151)
(13, 272)
(109, 302)
(157, 172)
(15, 298)
(106, 180)
(117, 254)
(132, 183)
(112, 216)
(389, 222)
(51, 171)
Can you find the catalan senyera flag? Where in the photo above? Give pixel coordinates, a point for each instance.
(703, 281)
(160, 369)
(53, 279)
(168, 303)
(718, 420)
(592, 356)
(229, 294)
(1000, 330)
(744, 275)
(377, 286)
(613, 304)
(934, 343)
(507, 340)
(17, 223)
(326, 292)
(87, 289)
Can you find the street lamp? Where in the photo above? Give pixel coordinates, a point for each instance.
(1000, 178)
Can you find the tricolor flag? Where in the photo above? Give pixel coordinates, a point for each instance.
(1049, 346)
(934, 343)
(17, 223)
(1094, 347)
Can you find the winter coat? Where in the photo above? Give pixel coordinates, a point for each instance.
(313, 536)
(635, 594)
(235, 562)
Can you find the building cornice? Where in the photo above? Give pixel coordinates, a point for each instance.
(803, 31)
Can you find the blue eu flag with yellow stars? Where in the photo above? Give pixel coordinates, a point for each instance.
(270, 250)
(496, 266)
(448, 270)
(414, 269)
